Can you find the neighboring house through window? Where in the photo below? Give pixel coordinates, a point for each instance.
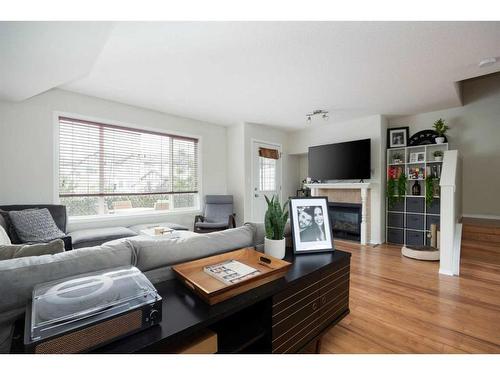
(107, 169)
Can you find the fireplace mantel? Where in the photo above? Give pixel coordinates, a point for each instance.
(363, 188)
(340, 185)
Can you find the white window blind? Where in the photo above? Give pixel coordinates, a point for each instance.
(100, 160)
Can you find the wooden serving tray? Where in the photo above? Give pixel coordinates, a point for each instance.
(214, 291)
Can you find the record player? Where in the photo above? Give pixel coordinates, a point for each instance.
(83, 312)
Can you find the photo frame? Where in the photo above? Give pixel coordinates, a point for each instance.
(310, 223)
(397, 137)
(417, 157)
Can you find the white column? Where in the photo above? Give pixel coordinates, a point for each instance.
(364, 194)
(447, 227)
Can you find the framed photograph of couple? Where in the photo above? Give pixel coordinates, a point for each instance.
(311, 227)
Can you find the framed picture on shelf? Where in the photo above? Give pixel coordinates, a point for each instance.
(397, 137)
(417, 157)
(311, 227)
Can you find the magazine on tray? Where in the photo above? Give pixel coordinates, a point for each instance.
(231, 271)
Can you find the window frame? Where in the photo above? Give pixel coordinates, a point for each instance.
(110, 217)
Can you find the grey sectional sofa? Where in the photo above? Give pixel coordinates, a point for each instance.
(85, 237)
(151, 256)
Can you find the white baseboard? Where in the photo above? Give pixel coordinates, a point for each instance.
(475, 216)
(445, 272)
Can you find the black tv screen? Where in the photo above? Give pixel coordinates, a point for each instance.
(340, 161)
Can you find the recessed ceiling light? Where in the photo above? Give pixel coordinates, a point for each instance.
(487, 62)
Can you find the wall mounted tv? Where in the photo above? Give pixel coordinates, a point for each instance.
(340, 161)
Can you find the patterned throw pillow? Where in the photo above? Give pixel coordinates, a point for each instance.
(35, 225)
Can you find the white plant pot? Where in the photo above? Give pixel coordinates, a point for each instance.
(274, 248)
(438, 158)
(439, 140)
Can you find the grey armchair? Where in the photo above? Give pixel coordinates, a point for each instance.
(218, 214)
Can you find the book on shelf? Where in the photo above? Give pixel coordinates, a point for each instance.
(231, 271)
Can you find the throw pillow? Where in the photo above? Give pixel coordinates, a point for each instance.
(4, 237)
(21, 251)
(9, 227)
(35, 225)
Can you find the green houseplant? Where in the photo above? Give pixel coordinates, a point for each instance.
(431, 189)
(396, 189)
(402, 180)
(397, 158)
(441, 128)
(274, 221)
(438, 155)
(391, 192)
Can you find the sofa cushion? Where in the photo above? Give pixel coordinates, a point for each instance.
(97, 236)
(205, 225)
(157, 254)
(4, 237)
(19, 276)
(21, 251)
(9, 227)
(6, 331)
(260, 233)
(3, 224)
(137, 228)
(35, 225)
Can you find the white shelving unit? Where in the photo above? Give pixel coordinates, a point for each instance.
(411, 217)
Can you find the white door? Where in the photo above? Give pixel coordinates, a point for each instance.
(266, 179)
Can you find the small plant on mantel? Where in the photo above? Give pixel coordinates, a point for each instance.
(274, 221)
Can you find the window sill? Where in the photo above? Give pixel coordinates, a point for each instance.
(136, 215)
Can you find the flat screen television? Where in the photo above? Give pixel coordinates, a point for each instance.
(340, 161)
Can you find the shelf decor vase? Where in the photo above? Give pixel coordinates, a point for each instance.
(439, 140)
(415, 190)
(275, 248)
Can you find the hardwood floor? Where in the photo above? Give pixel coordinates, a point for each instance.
(401, 305)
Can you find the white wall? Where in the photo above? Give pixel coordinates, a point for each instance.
(27, 167)
(475, 132)
(235, 169)
(372, 127)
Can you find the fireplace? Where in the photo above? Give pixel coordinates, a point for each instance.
(346, 220)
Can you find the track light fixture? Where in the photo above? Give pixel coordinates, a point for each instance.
(322, 113)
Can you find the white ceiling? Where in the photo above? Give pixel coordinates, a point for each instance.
(37, 56)
(274, 72)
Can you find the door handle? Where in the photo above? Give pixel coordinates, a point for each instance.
(256, 195)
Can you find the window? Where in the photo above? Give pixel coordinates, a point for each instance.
(267, 169)
(107, 169)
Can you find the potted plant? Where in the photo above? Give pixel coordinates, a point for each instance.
(438, 155)
(391, 192)
(441, 128)
(431, 189)
(397, 158)
(274, 221)
(402, 180)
